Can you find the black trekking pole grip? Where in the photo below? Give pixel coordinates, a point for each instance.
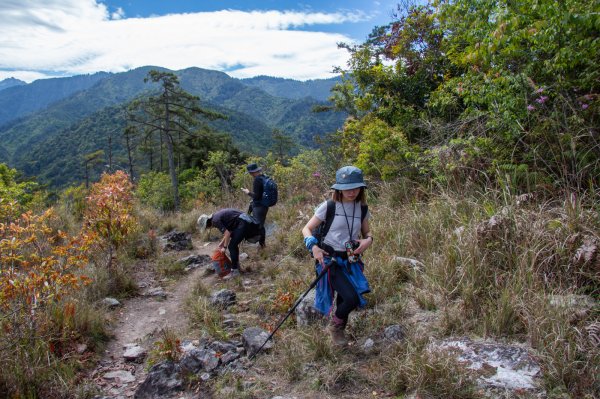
(312, 285)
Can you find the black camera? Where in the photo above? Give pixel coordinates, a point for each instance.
(350, 247)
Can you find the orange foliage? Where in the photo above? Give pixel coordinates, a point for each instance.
(109, 213)
(38, 267)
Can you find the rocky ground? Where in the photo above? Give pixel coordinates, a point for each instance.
(139, 321)
(504, 369)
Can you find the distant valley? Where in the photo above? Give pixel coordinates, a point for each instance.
(48, 126)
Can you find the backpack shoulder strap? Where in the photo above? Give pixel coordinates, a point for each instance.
(329, 216)
(363, 212)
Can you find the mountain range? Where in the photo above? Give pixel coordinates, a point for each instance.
(47, 127)
(10, 82)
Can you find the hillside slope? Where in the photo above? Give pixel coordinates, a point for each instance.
(60, 135)
(318, 89)
(18, 100)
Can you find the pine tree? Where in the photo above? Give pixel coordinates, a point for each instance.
(172, 113)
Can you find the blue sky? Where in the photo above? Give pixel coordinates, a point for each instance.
(298, 40)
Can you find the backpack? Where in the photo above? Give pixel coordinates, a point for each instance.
(321, 231)
(221, 263)
(269, 197)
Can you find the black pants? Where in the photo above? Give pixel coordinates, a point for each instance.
(237, 236)
(347, 298)
(260, 214)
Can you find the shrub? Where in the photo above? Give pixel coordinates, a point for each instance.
(38, 277)
(154, 189)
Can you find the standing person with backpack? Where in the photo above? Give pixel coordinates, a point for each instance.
(333, 234)
(263, 194)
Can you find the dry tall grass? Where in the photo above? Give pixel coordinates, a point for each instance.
(485, 264)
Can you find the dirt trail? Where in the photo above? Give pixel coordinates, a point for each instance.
(140, 319)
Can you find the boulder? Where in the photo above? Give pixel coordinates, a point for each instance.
(110, 303)
(498, 367)
(207, 359)
(134, 353)
(121, 376)
(394, 332)
(306, 313)
(223, 298)
(253, 338)
(162, 380)
(194, 261)
(176, 241)
(157, 292)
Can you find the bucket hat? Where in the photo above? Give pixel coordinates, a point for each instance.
(203, 221)
(348, 177)
(251, 168)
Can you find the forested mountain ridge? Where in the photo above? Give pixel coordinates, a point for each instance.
(48, 159)
(41, 143)
(18, 100)
(289, 88)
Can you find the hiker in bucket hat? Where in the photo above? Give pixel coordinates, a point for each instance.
(344, 240)
(236, 226)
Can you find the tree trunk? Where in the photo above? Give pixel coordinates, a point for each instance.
(129, 156)
(173, 171)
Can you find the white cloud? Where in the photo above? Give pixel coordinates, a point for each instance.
(66, 37)
(118, 14)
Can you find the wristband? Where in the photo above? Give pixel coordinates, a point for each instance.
(309, 242)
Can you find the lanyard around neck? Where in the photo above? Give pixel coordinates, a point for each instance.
(350, 230)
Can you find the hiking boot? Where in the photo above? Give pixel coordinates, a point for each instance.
(336, 329)
(235, 273)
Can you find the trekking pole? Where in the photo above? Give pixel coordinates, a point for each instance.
(312, 285)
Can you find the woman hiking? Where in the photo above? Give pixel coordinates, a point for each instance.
(348, 219)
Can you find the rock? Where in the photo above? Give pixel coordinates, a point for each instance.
(110, 303)
(394, 332)
(222, 347)
(195, 259)
(156, 292)
(81, 348)
(200, 359)
(229, 321)
(176, 241)
(368, 346)
(572, 301)
(223, 298)
(253, 338)
(209, 359)
(120, 376)
(187, 346)
(243, 256)
(508, 368)
(415, 264)
(229, 357)
(134, 353)
(306, 313)
(190, 361)
(162, 380)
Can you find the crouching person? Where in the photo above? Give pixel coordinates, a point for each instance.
(236, 226)
(342, 219)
